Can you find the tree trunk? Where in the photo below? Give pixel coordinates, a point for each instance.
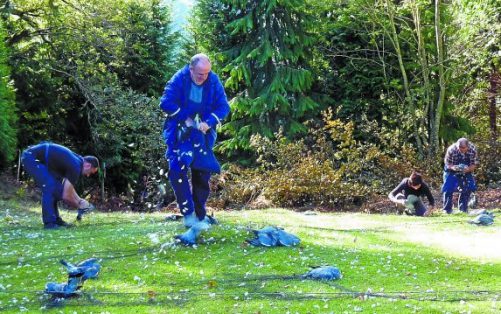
(441, 81)
(494, 81)
(396, 44)
(428, 108)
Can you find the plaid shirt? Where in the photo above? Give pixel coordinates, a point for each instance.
(453, 156)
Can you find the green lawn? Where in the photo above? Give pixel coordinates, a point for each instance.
(390, 264)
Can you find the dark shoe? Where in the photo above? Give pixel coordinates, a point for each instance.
(51, 225)
(60, 222)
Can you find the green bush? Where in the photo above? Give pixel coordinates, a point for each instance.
(489, 171)
(329, 169)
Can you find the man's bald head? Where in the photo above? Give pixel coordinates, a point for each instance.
(199, 68)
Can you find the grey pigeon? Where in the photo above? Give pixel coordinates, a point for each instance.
(477, 212)
(267, 236)
(323, 273)
(87, 269)
(91, 268)
(64, 290)
(190, 236)
(484, 219)
(82, 211)
(211, 220)
(272, 236)
(190, 220)
(174, 217)
(472, 203)
(287, 239)
(77, 274)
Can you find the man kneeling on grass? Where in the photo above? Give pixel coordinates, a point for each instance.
(408, 193)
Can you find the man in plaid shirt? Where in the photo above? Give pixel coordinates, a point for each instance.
(460, 162)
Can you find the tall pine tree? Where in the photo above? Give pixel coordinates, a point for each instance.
(8, 117)
(264, 49)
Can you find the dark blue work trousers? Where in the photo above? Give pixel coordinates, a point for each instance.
(463, 183)
(52, 189)
(191, 198)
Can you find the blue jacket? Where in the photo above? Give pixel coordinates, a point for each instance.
(175, 102)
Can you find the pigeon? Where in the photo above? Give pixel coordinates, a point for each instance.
(92, 268)
(287, 239)
(82, 211)
(87, 269)
(272, 236)
(64, 290)
(477, 212)
(190, 220)
(190, 236)
(323, 273)
(173, 217)
(211, 220)
(472, 203)
(484, 219)
(77, 274)
(410, 201)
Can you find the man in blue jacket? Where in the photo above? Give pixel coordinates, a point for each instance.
(195, 102)
(56, 170)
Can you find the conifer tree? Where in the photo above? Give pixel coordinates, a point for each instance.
(264, 49)
(8, 117)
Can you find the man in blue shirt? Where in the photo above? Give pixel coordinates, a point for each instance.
(195, 102)
(56, 171)
(459, 163)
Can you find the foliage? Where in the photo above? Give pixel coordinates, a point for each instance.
(85, 72)
(264, 51)
(8, 114)
(126, 132)
(382, 62)
(475, 49)
(489, 172)
(329, 168)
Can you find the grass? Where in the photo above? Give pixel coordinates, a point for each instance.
(390, 264)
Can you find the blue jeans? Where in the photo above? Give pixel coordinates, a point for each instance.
(52, 189)
(464, 183)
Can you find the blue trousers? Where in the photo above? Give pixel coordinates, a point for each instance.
(464, 183)
(52, 189)
(192, 198)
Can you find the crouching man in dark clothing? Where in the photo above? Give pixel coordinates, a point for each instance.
(408, 193)
(56, 171)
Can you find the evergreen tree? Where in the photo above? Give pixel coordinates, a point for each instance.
(8, 117)
(264, 48)
(148, 47)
